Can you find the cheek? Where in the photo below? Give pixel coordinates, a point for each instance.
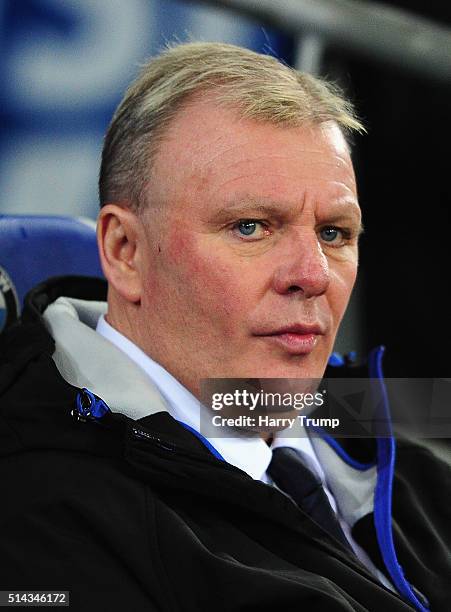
(178, 247)
(221, 294)
(214, 285)
(342, 283)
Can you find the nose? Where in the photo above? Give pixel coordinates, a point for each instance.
(303, 268)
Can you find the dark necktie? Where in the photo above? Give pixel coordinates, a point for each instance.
(291, 475)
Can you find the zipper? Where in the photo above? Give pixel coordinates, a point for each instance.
(142, 434)
(89, 407)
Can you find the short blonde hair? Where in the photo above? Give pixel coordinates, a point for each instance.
(258, 86)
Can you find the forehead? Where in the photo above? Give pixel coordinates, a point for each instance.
(212, 151)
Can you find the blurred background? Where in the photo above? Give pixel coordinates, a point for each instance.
(66, 63)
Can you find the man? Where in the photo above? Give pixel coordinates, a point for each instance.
(228, 234)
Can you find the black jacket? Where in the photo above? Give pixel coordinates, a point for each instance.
(140, 516)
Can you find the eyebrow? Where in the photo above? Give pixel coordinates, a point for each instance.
(243, 206)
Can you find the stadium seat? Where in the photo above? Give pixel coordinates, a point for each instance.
(34, 248)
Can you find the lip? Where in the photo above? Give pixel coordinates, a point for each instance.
(295, 344)
(297, 339)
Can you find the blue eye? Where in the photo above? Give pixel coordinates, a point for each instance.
(250, 230)
(247, 227)
(330, 234)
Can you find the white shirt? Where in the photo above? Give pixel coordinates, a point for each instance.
(250, 454)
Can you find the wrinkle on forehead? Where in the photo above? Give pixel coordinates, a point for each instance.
(298, 163)
(228, 154)
(301, 166)
(236, 179)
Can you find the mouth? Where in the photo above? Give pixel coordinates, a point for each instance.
(295, 339)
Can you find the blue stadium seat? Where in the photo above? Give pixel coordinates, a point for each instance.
(33, 248)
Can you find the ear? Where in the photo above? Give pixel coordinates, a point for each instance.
(120, 242)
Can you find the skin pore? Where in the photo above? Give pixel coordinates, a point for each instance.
(249, 227)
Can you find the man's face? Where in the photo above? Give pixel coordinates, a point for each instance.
(250, 261)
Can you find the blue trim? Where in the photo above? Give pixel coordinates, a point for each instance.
(336, 360)
(352, 356)
(386, 452)
(204, 441)
(332, 442)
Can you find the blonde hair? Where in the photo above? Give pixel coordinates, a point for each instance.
(258, 86)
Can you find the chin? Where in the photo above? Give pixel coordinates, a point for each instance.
(300, 369)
